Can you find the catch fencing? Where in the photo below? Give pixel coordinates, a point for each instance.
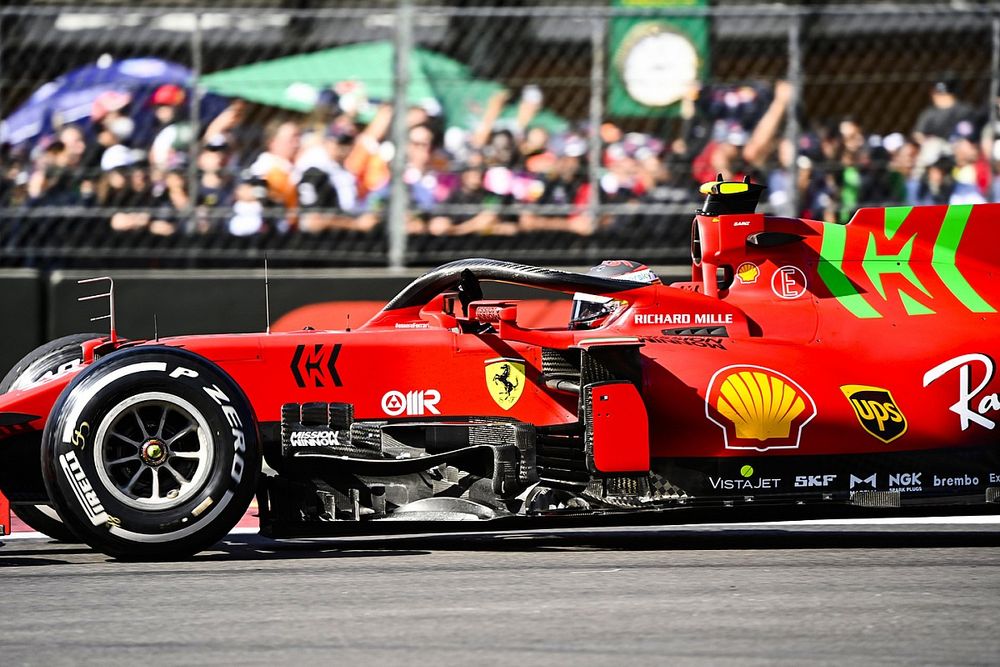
(410, 133)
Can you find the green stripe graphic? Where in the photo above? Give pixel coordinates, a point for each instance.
(943, 259)
(831, 272)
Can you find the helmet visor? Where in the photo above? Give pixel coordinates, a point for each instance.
(587, 309)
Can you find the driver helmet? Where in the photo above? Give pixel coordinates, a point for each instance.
(590, 310)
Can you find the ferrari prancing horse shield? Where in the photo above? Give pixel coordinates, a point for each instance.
(505, 380)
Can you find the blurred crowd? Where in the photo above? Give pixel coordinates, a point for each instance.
(242, 175)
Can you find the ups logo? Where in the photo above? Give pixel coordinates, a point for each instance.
(876, 410)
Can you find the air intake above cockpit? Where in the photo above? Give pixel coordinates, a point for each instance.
(725, 197)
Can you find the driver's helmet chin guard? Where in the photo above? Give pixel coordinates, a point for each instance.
(590, 310)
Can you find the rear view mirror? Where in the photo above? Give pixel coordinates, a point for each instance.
(495, 312)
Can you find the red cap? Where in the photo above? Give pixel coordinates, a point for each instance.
(169, 95)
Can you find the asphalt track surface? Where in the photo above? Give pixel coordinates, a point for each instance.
(911, 591)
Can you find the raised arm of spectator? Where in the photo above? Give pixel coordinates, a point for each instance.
(37, 183)
(230, 117)
(489, 119)
(531, 104)
(380, 123)
(682, 145)
(761, 141)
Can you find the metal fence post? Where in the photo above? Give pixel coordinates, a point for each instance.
(597, 36)
(192, 167)
(792, 114)
(399, 193)
(3, 111)
(991, 103)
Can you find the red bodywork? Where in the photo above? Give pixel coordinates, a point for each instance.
(5, 526)
(870, 338)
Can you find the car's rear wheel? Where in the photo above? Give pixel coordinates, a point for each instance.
(151, 453)
(60, 355)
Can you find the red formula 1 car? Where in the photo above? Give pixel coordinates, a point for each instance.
(804, 365)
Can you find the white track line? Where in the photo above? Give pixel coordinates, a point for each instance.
(889, 521)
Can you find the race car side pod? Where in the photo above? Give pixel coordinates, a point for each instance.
(616, 434)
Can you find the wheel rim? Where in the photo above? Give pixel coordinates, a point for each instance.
(153, 451)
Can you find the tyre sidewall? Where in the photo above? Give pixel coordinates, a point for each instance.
(70, 455)
(36, 518)
(45, 362)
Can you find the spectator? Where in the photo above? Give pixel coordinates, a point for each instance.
(172, 201)
(902, 165)
(501, 149)
(995, 185)
(660, 184)
(566, 186)
(419, 175)
(52, 182)
(936, 184)
(861, 174)
(9, 172)
(172, 135)
(327, 191)
(243, 137)
(622, 180)
(215, 187)
(721, 155)
(971, 171)
(421, 180)
(535, 152)
(779, 177)
(125, 188)
(472, 193)
(111, 120)
(249, 212)
(761, 143)
(743, 132)
(367, 160)
(813, 194)
(937, 122)
(945, 112)
(275, 165)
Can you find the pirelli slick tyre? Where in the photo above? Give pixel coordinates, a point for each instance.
(45, 519)
(151, 453)
(62, 354)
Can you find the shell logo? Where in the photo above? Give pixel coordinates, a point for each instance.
(758, 408)
(747, 272)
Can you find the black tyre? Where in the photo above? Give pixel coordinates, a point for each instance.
(60, 355)
(46, 520)
(151, 453)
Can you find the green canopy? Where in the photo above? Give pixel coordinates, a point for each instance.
(295, 82)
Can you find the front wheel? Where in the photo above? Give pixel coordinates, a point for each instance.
(58, 356)
(45, 520)
(152, 453)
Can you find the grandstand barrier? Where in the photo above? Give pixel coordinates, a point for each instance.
(21, 305)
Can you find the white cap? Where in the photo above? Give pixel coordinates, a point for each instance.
(115, 157)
